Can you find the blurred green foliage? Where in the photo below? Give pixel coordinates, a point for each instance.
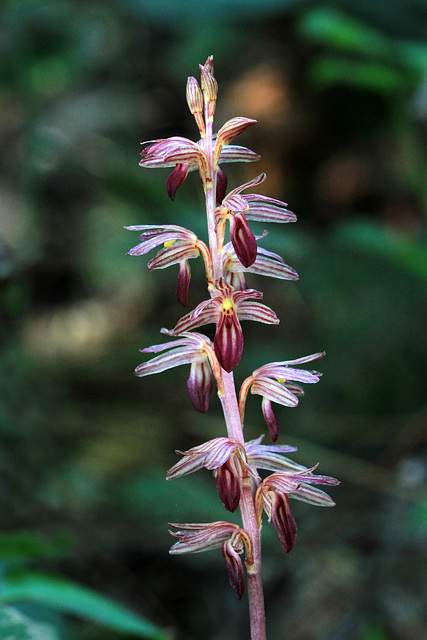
(340, 96)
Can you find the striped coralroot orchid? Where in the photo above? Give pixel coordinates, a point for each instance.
(233, 540)
(233, 462)
(225, 308)
(275, 383)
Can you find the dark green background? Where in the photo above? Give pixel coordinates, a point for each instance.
(339, 90)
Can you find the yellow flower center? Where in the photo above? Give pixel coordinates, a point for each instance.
(169, 243)
(227, 306)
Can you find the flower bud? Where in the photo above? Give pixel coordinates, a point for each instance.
(209, 84)
(194, 96)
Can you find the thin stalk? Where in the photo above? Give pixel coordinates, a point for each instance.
(233, 421)
(247, 510)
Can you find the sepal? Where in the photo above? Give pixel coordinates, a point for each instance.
(231, 129)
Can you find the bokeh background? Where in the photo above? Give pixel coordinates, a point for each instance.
(340, 93)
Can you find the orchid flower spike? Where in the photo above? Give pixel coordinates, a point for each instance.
(238, 466)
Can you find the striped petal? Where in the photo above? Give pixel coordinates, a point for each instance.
(173, 254)
(174, 358)
(274, 391)
(205, 313)
(228, 342)
(199, 385)
(175, 179)
(209, 455)
(312, 495)
(235, 153)
(257, 312)
(283, 520)
(263, 212)
(195, 538)
(270, 418)
(231, 129)
(234, 564)
(243, 239)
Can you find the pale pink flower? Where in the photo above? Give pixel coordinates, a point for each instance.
(266, 263)
(273, 493)
(238, 209)
(179, 246)
(194, 349)
(275, 383)
(233, 540)
(226, 310)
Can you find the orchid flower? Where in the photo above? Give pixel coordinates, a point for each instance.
(233, 540)
(275, 383)
(273, 493)
(266, 263)
(194, 349)
(226, 310)
(226, 458)
(238, 209)
(180, 246)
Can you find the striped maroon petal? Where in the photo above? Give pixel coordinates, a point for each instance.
(228, 483)
(283, 520)
(243, 239)
(228, 342)
(183, 284)
(221, 184)
(199, 385)
(175, 179)
(270, 418)
(234, 564)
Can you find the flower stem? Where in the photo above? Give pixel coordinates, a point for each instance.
(232, 418)
(247, 509)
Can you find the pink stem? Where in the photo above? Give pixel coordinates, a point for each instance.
(247, 510)
(232, 418)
